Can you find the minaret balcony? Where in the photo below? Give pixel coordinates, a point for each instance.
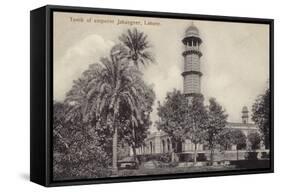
(192, 50)
(191, 72)
(192, 37)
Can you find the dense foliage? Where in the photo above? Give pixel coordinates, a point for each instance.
(255, 140)
(77, 151)
(138, 45)
(183, 118)
(216, 125)
(261, 116)
(108, 103)
(174, 116)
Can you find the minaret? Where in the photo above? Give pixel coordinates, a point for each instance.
(245, 115)
(192, 73)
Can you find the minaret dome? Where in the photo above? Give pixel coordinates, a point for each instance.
(192, 31)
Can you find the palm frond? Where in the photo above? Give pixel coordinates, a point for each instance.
(138, 45)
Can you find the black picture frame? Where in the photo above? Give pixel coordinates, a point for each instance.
(41, 83)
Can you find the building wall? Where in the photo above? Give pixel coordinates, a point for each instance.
(161, 142)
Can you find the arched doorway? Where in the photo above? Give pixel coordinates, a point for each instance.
(151, 149)
(168, 145)
(179, 147)
(163, 146)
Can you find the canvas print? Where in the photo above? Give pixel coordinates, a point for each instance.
(138, 96)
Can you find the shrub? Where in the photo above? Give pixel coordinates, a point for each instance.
(201, 157)
(254, 139)
(189, 157)
(251, 156)
(165, 158)
(185, 157)
(264, 155)
(77, 153)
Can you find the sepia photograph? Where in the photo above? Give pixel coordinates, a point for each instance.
(142, 96)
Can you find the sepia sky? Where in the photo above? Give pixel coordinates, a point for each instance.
(235, 61)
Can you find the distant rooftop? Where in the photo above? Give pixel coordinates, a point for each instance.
(241, 125)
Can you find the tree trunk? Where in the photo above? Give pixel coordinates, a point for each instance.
(237, 154)
(114, 152)
(134, 146)
(173, 158)
(266, 143)
(135, 154)
(195, 153)
(135, 60)
(212, 156)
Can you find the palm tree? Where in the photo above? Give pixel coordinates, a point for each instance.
(77, 98)
(138, 46)
(136, 129)
(117, 83)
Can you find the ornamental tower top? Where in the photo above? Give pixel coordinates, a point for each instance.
(245, 115)
(191, 72)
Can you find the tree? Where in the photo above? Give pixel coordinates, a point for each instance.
(182, 119)
(77, 152)
(111, 96)
(138, 46)
(216, 125)
(196, 131)
(254, 139)
(239, 139)
(173, 114)
(133, 130)
(81, 103)
(114, 100)
(60, 142)
(225, 139)
(116, 84)
(232, 137)
(261, 116)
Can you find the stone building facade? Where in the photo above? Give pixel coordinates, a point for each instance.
(160, 142)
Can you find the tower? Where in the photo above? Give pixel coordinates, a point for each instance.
(191, 70)
(245, 115)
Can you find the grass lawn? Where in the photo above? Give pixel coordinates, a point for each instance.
(173, 170)
(234, 165)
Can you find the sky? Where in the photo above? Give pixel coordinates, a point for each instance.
(235, 61)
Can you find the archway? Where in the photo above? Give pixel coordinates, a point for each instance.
(168, 145)
(163, 146)
(179, 147)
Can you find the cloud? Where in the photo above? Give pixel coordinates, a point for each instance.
(76, 59)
